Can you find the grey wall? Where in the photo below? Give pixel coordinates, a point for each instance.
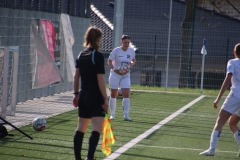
(15, 31)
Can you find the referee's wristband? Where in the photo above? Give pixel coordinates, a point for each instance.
(76, 93)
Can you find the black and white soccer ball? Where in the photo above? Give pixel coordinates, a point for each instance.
(39, 124)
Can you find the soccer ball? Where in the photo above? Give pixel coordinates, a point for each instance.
(123, 68)
(39, 124)
(119, 92)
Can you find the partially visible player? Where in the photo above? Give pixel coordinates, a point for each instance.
(92, 101)
(235, 118)
(231, 103)
(233, 121)
(123, 55)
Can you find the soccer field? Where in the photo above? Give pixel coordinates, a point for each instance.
(157, 131)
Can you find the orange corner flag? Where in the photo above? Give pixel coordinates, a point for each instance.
(108, 136)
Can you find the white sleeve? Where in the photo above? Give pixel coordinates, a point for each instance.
(230, 67)
(112, 55)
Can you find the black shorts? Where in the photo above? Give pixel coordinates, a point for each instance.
(90, 104)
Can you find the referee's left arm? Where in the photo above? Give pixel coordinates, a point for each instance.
(76, 81)
(76, 87)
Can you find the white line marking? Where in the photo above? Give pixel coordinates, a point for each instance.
(176, 148)
(133, 142)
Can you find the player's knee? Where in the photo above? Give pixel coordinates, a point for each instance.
(113, 96)
(126, 93)
(114, 93)
(232, 123)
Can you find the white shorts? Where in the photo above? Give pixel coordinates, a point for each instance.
(116, 80)
(238, 112)
(231, 104)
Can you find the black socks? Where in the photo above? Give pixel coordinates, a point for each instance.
(77, 143)
(93, 142)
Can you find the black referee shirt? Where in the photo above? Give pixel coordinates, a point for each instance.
(88, 70)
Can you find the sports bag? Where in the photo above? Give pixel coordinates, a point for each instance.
(4, 132)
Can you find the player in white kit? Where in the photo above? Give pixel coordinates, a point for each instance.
(119, 56)
(230, 105)
(233, 121)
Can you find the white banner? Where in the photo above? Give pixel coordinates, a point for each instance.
(69, 41)
(46, 71)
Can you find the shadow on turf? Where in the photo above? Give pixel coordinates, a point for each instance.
(135, 156)
(21, 156)
(26, 148)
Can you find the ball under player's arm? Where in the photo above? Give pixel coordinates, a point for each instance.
(112, 67)
(76, 87)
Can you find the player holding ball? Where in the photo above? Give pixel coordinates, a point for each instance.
(121, 60)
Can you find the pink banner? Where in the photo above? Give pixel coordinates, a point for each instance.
(49, 36)
(46, 69)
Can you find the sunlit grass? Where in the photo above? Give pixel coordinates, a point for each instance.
(181, 138)
(181, 90)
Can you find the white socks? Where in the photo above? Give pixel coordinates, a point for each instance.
(237, 137)
(214, 139)
(126, 106)
(112, 106)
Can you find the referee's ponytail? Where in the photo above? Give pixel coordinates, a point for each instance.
(91, 37)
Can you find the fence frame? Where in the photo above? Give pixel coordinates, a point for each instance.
(5, 82)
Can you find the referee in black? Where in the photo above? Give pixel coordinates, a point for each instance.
(92, 101)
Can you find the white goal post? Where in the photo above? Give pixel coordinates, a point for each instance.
(8, 80)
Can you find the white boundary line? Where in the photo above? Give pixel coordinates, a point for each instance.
(177, 148)
(133, 142)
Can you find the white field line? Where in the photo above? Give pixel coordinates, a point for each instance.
(177, 148)
(133, 142)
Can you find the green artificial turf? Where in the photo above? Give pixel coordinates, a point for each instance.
(181, 138)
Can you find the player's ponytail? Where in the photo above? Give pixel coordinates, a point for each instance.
(92, 36)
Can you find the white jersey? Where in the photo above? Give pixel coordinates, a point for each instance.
(233, 67)
(118, 56)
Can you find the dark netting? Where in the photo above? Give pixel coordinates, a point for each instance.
(63, 6)
(55, 6)
(27, 4)
(72, 7)
(147, 23)
(79, 8)
(9, 4)
(34, 5)
(42, 5)
(2, 3)
(49, 6)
